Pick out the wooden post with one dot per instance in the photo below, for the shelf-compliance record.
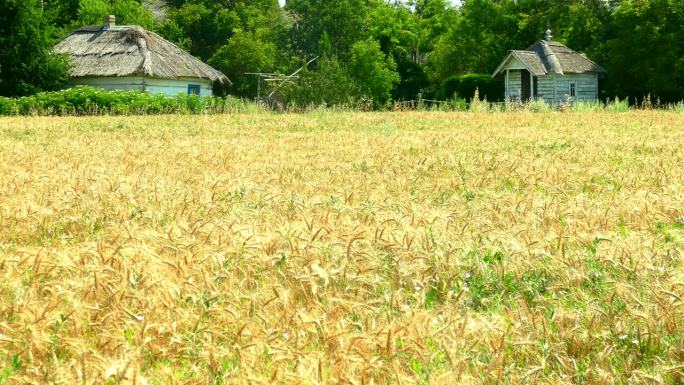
(508, 95)
(531, 86)
(596, 85)
(258, 88)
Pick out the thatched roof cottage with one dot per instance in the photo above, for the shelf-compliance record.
(131, 58)
(549, 71)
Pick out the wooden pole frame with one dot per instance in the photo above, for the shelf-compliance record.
(278, 79)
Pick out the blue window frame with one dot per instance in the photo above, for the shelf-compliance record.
(194, 89)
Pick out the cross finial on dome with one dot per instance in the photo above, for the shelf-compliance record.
(548, 37)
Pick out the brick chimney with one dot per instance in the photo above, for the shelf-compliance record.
(109, 22)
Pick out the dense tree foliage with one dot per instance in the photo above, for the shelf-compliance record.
(382, 50)
(328, 27)
(27, 64)
(90, 12)
(373, 71)
(647, 53)
(245, 52)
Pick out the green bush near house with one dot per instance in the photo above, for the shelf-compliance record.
(465, 86)
(7, 106)
(94, 101)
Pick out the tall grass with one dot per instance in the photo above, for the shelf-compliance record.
(335, 247)
(582, 106)
(618, 106)
(83, 101)
(677, 107)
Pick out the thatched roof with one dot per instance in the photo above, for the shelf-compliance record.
(548, 56)
(530, 60)
(131, 51)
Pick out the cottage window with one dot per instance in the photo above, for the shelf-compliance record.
(194, 89)
(535, 86)
(573, 89)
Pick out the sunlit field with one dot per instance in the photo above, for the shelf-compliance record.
(343, 248)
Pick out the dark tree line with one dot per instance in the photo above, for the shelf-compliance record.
(377, 50)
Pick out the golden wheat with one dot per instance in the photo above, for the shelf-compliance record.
(335, 248)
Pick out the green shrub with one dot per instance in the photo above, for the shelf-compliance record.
(618, 105)
(465, 86)
(95, 101)
(480, 106)
(457, 104)
(586, 106)
(538, 106)
(677, 107)
(7, 106)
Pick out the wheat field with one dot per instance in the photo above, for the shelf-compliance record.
(343, 248)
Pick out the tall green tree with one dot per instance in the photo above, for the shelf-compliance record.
(435, 18)
(204, 26)
(398, 31)
(27, 64)
(62, 14)
(475, 42)
(646, 56)
(127, 12)
(374, 72)
(325, 27)
(245, 52)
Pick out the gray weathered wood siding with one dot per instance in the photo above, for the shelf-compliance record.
(514, 81)
(546, 88)
(554, 88)
(586, 86)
